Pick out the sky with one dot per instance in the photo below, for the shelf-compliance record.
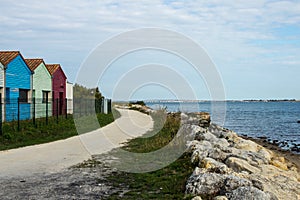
(254, 45)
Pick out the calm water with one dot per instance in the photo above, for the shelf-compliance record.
(275, 120)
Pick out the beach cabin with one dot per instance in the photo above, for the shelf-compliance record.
(42, 88)
(18, 85)
(59, 80)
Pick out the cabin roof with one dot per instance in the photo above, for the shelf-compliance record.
(52, 68)
(33, 63)
(7, 56)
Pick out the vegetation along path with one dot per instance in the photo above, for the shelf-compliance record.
(58, 155)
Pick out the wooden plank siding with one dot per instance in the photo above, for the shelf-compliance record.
(41, 83)
(17, 77)
(1, 76)
(2, 89)
(59, 80)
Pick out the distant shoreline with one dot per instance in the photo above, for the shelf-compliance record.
(201, 101)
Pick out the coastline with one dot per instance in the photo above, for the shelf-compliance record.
(224, 165)
(275, 120)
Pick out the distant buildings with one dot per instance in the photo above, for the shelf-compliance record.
(30, 85)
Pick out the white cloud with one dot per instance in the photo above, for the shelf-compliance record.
(65, 31)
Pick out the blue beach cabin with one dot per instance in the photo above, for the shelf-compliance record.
(18, 85)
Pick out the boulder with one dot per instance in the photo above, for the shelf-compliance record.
(253, 158)
(184, 117)
(204, 118)
(246, 145)
(200, 145)
(233, 182)
(221, 144)
(217, 154)
(191, 130)
(192, 146)
(230, 136)
(198, 171)
(218, 131)
(198, 155)
(267, 154)
(205, 136)
(249, 193)
(214, 166)
(240, 165)
(205, 184)
(220, 198)
(196, 198)
(279, 162)
(257, 183)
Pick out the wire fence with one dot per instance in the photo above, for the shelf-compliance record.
(45, 111)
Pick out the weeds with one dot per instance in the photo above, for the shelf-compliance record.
(166, 183)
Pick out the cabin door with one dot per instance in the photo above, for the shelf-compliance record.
(61, 102)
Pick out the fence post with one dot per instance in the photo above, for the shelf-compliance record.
(109, 106)
(86, 105)
(57, 109)
(33, 110)
(102, 105)
(66, 108)
(47, 109)
(18, 114)
(0, 114)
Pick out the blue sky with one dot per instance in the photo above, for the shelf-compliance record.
(255, 45)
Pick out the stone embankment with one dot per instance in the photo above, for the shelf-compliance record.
(230, 167)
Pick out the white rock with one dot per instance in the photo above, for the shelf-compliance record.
(204, 184)
(249, 193)
(220, 198)
(213, 165)
(247, 145)
(240, 165)
(197, 198)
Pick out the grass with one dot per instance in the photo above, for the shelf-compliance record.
(31, 134)
(166, 183)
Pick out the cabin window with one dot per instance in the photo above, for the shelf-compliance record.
(45, 96)
(23, 95)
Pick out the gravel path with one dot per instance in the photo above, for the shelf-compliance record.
(84, 181)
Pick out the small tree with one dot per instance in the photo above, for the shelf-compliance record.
(98, 94)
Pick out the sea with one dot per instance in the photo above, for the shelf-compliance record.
(276, 121)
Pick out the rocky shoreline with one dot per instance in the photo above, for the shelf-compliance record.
(232, 167)
(283, 146)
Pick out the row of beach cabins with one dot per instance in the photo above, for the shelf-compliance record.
(31, 88)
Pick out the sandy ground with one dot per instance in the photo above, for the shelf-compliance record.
(56, 156)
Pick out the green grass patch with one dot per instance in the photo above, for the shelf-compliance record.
(31, 134)
(166, 183)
